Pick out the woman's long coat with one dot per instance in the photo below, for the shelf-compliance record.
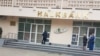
(91, 43)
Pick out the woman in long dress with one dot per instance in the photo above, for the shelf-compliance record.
(91, 42)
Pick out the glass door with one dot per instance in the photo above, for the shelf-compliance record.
(33, 33)
(26, 33)
(39, 33)
(83, 30)
(36, 33)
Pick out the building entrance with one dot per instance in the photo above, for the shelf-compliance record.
(78, 32)
(30, 30)
(84, 27)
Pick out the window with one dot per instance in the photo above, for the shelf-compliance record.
(76, 23)
(30, 20)
(39, 21)
(21, 26)
(26, 36)
(20, 35)
(22, 19)
(76, 30)
(27, 27)
(80, 41)
(98, 32)
(47, 22)
(97, 42)
(96, 24)
(83, 30)
(74, 39)
(87, 23)
(47, 28)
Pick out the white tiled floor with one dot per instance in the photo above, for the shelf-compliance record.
(21, 52)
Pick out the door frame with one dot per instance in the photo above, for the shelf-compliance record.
(35, 40)
(31, 34)
(37, 32)
(77, 35)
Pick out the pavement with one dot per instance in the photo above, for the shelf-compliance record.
(4, 51)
